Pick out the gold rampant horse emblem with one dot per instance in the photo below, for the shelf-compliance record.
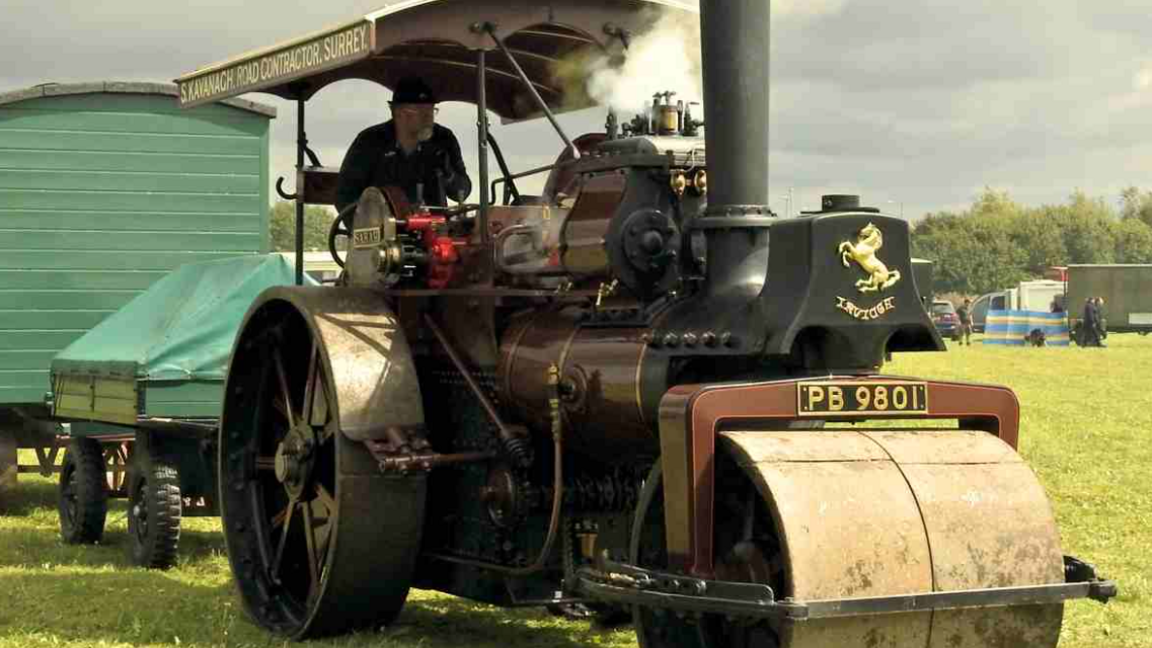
(863, 252)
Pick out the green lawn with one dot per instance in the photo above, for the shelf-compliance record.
(1086, 430)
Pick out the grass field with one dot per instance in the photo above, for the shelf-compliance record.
(1086, 430)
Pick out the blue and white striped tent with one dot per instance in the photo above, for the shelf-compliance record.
(1010, 327)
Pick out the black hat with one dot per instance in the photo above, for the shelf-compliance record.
(411, 90)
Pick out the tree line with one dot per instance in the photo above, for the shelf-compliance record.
(282, 227)
(997, 242)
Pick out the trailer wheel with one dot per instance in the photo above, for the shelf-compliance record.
(154, 511)
(83, 494)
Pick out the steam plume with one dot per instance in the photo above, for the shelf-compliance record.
(664, 57)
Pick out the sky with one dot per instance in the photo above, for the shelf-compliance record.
(916, 105)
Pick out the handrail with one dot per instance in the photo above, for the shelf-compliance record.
(490, 29)
(524, 174)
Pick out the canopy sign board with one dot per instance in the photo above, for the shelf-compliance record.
(550, 49)
(294, 60)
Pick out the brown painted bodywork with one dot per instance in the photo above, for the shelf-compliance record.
(607, 374)
(691, 417)
(585, 254)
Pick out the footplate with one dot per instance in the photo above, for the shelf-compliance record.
(625, 584)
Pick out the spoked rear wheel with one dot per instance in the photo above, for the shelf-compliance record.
(319, 542)
(746, 551)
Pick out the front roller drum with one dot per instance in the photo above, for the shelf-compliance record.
(843, 514)
(319, 542)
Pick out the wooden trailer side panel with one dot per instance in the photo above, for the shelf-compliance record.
(103, 190)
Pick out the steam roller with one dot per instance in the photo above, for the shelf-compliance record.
(640, 395)
(842, 525)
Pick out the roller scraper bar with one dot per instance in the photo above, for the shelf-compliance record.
(621, 583)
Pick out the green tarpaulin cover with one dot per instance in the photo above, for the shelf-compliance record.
(182, 328)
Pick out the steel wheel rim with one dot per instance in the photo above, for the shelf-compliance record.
(139, 510)
(291, 490)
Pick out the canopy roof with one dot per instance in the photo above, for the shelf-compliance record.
(181, 328)
(438, 40)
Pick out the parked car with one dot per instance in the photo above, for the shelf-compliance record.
(945, 318)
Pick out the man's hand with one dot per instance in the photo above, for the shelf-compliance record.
(455, 186)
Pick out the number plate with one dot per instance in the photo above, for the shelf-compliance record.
(368, 237)
(829, 399)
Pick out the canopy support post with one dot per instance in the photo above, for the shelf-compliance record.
(301, 146)
(491, 31)
(482, 139)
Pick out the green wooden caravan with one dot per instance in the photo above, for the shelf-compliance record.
(105, 188)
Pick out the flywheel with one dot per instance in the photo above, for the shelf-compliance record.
(842, 514)
(319, 541)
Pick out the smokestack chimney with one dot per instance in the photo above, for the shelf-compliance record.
(734, 35)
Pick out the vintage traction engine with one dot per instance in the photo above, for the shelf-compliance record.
(636, 393)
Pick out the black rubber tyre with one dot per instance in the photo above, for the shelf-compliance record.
(83, 494)
(154, 511)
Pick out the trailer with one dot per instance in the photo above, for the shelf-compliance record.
(146, 385)
(1126, 289)
(105, 187)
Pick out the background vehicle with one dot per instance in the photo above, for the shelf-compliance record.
(1026, 296)
(611, 393)
(106, 189)
(1127, 293)
(945, 319)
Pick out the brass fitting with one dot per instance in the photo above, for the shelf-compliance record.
(677, 182)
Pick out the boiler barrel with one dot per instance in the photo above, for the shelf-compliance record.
(610, 384)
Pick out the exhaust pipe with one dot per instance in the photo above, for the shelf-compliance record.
(734, 35)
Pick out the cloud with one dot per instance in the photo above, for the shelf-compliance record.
(806, 8)
(917, 102)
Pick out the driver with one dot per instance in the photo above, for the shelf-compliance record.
(410, 151)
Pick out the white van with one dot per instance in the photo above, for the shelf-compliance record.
(1036, 295)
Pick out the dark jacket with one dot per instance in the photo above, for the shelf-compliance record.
(1091, 315)
(375, 159)
(964, 315)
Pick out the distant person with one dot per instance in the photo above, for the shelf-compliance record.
(964, 314)
(1090, 325)
(1101, 328)
(1057, 307)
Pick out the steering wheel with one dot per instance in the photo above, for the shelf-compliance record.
(340, 227)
